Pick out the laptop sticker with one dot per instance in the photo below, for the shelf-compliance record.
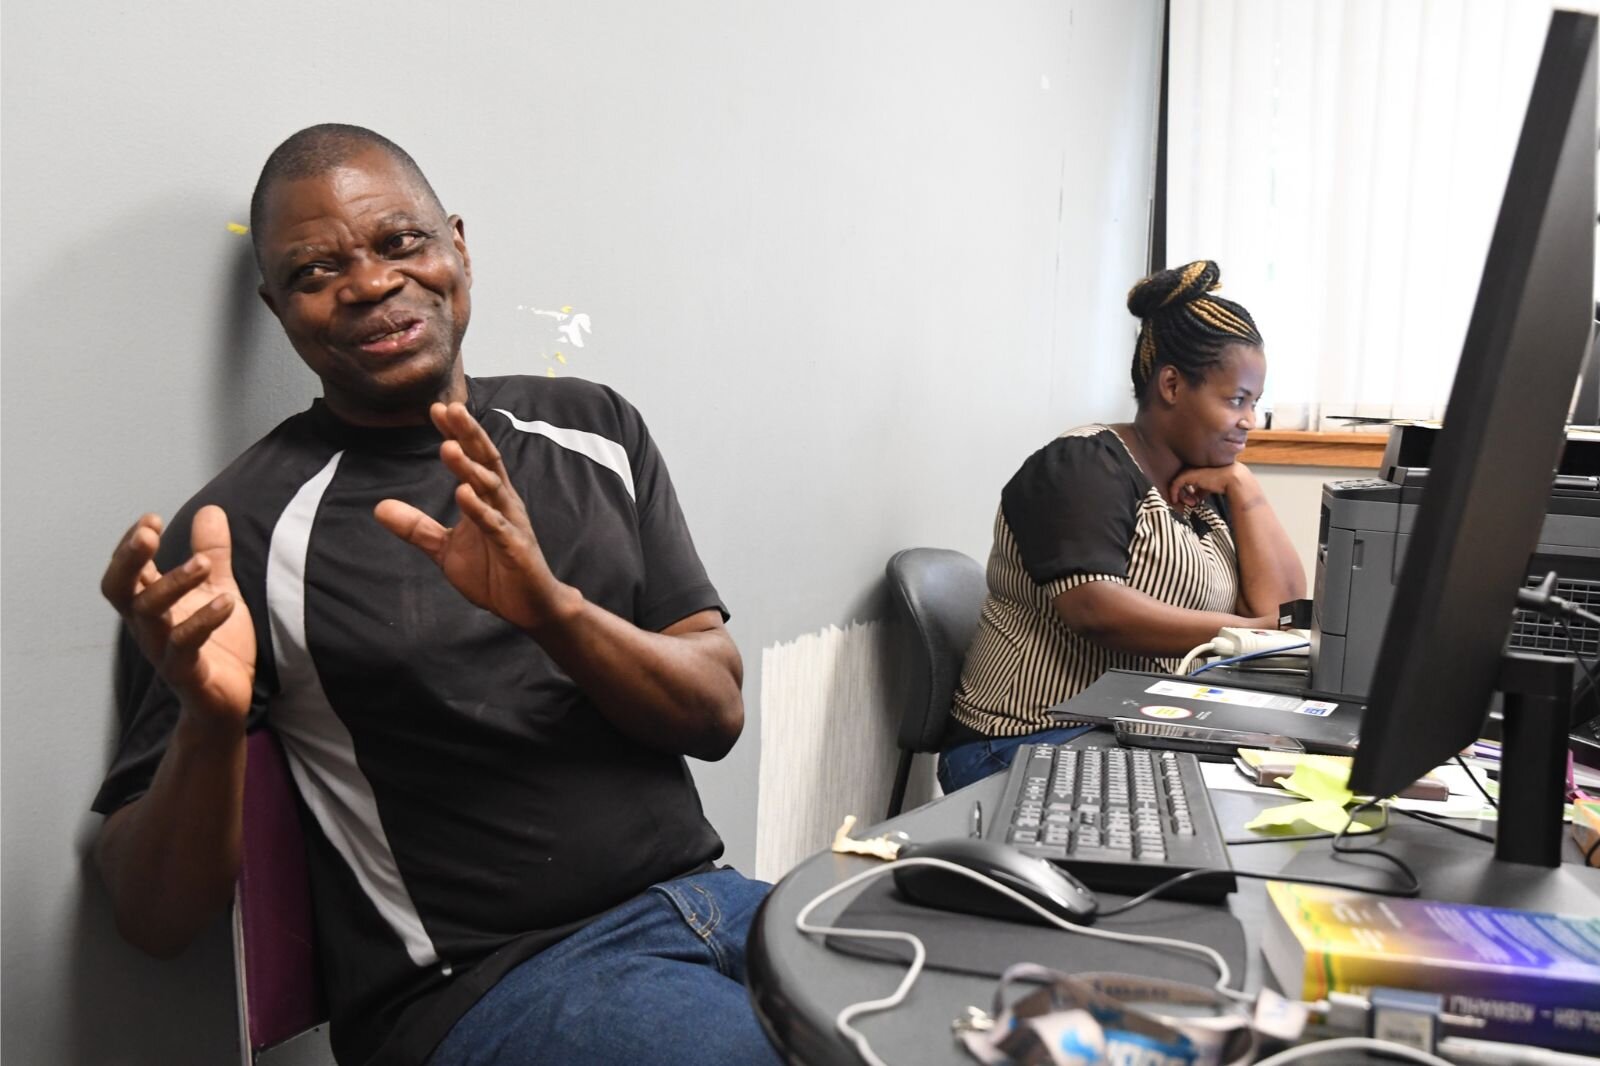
(1232, 696)
(1166, 712)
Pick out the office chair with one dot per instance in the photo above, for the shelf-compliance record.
(937, 595)
(274, 945)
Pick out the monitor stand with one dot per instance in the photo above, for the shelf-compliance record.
(1525, 871)
(1533, 759)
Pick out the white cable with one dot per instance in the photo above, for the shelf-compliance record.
(1351, 1043)
(1188, 660)
(843, 1019)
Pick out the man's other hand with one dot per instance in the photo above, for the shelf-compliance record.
(491, 556)
(191, 622)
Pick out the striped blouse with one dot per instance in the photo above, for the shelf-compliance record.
(1079, 510)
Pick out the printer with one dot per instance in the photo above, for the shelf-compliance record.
(1366, 524)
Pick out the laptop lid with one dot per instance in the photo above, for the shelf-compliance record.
(1320, 721)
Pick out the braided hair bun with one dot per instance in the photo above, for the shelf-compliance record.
(1182, 325)
(1173, 288)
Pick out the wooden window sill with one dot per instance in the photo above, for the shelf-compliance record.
(1296, 447)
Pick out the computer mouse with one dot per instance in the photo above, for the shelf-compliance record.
(1049, 886)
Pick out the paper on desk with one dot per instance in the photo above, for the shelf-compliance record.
(1465, 801)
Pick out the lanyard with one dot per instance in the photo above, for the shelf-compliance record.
(1085, 1019)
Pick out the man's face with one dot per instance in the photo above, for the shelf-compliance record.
(372, 285)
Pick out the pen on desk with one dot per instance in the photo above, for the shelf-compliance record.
(977, 820)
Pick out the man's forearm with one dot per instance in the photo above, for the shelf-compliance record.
(678, 690)
(171, 857)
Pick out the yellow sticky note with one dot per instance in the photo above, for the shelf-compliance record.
(567, 310)
(1324, 815)
(550, 373)
(235, 228)
(1320, 782)
(561, 358)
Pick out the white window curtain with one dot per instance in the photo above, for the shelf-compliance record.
(1343, 161)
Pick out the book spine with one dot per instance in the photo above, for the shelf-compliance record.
(1516, 1007)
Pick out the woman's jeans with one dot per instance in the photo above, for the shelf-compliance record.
(965, 763)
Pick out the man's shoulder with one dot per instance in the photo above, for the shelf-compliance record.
(571, 403)
(260, 482)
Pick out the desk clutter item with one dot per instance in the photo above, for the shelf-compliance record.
(1270, 768)
(1532, 978)
(1119, 820)
(1067, 1020)
(1586, 829)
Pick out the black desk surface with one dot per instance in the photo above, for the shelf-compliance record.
(799, 985)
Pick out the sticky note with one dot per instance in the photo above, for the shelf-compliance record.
(567, 310)
(550, 373)
(1323, 815)
(561, 358)
(235, 228)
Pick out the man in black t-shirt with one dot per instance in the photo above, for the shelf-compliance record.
(486, 711)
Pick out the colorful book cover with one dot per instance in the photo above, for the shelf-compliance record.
(1533, 978)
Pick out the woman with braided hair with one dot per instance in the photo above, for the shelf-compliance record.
(1124, 546)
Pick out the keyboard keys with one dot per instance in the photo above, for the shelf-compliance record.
(1126, 813)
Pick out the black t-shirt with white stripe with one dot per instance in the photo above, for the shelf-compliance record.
(1081, 509)
(468, 805)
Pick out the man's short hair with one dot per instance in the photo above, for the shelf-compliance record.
(318, 149)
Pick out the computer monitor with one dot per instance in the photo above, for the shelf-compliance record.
(1443, 650)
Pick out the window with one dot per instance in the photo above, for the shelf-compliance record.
(1344, 160)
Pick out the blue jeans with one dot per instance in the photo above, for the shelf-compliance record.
(963, 764)
(659, 979)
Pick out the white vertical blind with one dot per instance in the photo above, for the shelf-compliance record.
(1344, 160)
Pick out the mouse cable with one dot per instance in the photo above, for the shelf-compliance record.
(1351, 1043)
(844, 1019)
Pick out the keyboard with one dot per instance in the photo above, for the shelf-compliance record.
(1119, 819)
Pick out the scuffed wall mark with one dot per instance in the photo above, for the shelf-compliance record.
(567, 329)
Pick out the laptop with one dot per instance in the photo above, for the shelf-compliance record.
(1320, 721)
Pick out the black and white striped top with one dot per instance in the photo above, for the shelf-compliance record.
(1081, 509)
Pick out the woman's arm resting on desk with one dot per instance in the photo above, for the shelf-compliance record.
(1270, 573)
(1124, 619)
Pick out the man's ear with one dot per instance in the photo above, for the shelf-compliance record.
(266, 298)
(458, 237)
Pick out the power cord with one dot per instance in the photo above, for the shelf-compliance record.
(1250, 655)
(1408, 891)
(1476, 783)
(1188, 660)
(1442, 823)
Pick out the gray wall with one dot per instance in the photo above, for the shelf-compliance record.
(853, 261)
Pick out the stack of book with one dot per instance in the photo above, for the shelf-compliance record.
(1532, 978)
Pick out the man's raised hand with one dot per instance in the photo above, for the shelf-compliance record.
(491, 556)
(191, 622)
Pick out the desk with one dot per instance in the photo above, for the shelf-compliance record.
(798, 984)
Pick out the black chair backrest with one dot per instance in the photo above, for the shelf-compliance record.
(937, 596)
